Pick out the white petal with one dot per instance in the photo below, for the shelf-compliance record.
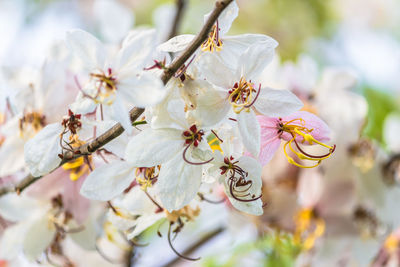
(176, 44)
(391, 132)
(211, 105)
(113, 19)
(254, 169)
(11, 155)
(108, 181)
(143, 90)
(38, 237)
(178, 183)
(83, 105)
(11, 240)
(137, 202)
(41, 152)
(277, 103)
(254, 60)
(136, 49)
(221, 74)
(15, 207)
(118, 112)
(153, 147)
(144, 222)
(88, 48)
(250, 131)
(226, 18)
(234, 46)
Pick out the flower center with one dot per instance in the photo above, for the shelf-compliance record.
(106, 85)
(79, 166)
(193, 136)
(146, 177)
(239, 186)
(72, 122)
(309, 227)
(296, 128)
(213, 43)
(241, 95)
(31, 121)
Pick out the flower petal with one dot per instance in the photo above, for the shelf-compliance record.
(153, 147)
(226, 18)
(108, 181)
(254, 169)
(277, 103)
(136, 50)
(249, 130)
(38, 237)
(255, 58)
(142, 90)
(176, 44)
(113, 19)
(88, 48)
(41, 152)
(178, 183)
(11, 158)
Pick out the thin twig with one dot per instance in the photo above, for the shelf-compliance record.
(180, 8)
(135, 113)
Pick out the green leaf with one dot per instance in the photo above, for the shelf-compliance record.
(380, 104)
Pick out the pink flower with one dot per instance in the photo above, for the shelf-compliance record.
(299, 128)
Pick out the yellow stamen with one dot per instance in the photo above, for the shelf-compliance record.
(77, 167)
(241, 96)
(214, 144)
(306, 133)
(111, 233)
(391, 243)
(213, 43)
(145, 176)
(305, 219)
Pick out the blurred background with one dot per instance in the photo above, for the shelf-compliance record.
(341, 57)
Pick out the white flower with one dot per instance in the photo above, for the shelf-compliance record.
(118, 81)
(242, 93)
(226, 48)
(174, 149)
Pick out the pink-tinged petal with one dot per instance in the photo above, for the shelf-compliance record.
(320, 131)
(270, 139)
(74, 202)
(310, 188)
(268, 150)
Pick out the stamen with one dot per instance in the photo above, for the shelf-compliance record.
(301, 130)
(213, 43)
(193, 163)
(203, 198)
(174, 250)
(241, 95)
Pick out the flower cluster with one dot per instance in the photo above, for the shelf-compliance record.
(208, 129)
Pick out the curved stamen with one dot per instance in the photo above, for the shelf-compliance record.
(154, 202)
(190, 162)
(219, 139)
(231, 190)
(312, 156)
(292, 161)
(255, 98)
(203, 198)
(174, 250)
(104, 256)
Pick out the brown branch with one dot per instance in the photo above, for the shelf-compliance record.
(135, 113)
(197, 41)
(180, 8)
